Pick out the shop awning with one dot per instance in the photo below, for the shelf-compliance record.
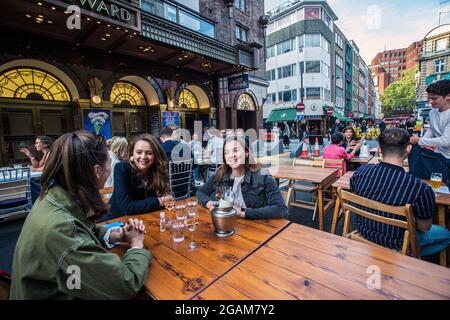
(280, 115)
(339, 116)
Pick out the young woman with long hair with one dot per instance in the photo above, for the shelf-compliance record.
(141, 184)
(256, 194)
(60, 237)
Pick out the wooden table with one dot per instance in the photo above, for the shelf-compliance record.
(322, 177)
(442, 201)
(178, 273)
(305, 263)
(360, 160)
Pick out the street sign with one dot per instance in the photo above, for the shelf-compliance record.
(330, 112)
(300, 106)
(238, 82)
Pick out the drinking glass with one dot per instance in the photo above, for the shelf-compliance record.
(192, 202)
(180, 207)
(436, 180)
(192, 224)
(177, 230)
(169, 204)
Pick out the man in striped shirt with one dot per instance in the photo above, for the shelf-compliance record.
(388, 183)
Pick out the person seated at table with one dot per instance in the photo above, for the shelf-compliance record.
(42, 144)
(140, 184)
(387, 182)
(118, 151)
(336, 151)
(350, 140)
(60, 243)
(256, 194)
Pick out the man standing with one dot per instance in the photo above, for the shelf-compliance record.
(382, 126)
(388, 183)
(410, 125)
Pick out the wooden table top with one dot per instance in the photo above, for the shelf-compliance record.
(303, 173)
(305, 263)
(178, 273)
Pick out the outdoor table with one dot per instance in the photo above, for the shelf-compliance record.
(360, 160)
(442, 201)
(305, 263)
(179, 273)
(322, 177)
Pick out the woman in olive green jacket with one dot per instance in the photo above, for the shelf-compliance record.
(61, 253)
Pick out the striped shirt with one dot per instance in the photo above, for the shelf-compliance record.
(391, 185)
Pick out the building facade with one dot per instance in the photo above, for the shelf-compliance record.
(299, 42)
(138, 65)
(433, 62)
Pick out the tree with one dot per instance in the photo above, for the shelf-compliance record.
(400, 95)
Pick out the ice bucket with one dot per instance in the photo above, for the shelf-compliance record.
(224, 220)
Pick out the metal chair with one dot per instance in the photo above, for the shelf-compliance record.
(15, 192)
(181, 178)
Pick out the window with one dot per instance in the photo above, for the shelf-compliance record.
(312, 67)
(325, 44)
(245, 102)
(326, 18)
(326, 70)
(439, 66)
(285, 46)
(127, 94)
(193, 4)
(286, 71)
(326, 94)
(272, 97)
(312, 40)
(241, 34)
(241, 4)
(33, 84)
(192, 22)
(270, 75)
(313, 93)
(187, 100)
(339, 61)
(270, 52)
(312, 13)
(287, 96)
(441, 44)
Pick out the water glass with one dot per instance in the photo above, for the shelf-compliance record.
(169, 204)
(177, 230)
(192, 222)
(192, 202)
(180, 212)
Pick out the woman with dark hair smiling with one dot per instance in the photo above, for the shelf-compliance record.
(60, 238)
(256, 195)
(141, 185)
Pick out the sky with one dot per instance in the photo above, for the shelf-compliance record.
(384, 24)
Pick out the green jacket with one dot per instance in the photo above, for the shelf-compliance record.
(57, 235)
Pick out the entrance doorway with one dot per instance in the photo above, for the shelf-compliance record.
(21, 125)
(246, 120)
(128, 123)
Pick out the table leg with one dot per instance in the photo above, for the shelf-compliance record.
(441, 217)
(320, 195)
(337, 208)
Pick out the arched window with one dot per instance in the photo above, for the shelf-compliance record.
(32, 84)
(187, 100)
(127, 94)
(245, 102)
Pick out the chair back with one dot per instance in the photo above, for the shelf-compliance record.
(106, 194)
(309, 163)
(410, 236)
(181, 179)
(336, 164)
(15, 192)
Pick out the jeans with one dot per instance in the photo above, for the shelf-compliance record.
(35, 185)
(196, 171)
(434, 240)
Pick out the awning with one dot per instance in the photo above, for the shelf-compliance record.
(280, 115)
(339, 116)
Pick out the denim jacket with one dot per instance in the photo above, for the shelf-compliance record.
(262, 197)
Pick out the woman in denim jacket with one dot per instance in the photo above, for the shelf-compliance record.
(256, 193)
